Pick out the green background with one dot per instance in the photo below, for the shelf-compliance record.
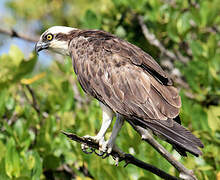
(31, 144)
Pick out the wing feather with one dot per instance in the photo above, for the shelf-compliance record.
(115, 76)
(140, 58)
(131, 83)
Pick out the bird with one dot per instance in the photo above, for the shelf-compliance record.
(127, 82)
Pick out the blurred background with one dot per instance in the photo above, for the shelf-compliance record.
(39, 96)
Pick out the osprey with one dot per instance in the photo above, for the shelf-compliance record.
(127, 82)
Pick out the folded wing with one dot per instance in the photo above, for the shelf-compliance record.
(131, 83)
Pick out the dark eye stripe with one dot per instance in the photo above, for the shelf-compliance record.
(61, 37)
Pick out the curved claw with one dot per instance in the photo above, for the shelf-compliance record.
(100, 153)
(105, 156)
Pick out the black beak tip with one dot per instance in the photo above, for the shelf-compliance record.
(36, 49)
(41, 46)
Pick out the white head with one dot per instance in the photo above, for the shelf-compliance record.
(55, 38)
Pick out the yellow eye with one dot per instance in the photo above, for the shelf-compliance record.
(49, 37)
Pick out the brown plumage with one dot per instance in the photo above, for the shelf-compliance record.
(131, 83)
(127, 81)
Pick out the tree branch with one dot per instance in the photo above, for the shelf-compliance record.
(34, 101)
(168, 62)
(154, 41)
(146, 136)
(77, 96)
(13, 33)
(121, 156)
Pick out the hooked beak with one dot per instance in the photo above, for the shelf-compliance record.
(39, 46)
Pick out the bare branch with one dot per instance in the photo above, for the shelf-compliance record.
(13, 33)
(85, 171)
(34, 101)
(154, 41)
(67, 169)
(118, 154)
(77, 96)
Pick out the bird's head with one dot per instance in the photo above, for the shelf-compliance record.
(56, 39)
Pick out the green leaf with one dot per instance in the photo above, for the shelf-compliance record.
(183, 23)
(172, 32)
(19, 128)
(23, 178)
(16, 55)
(91, 21)
(214, 117)
(10, 103)
(3, 96)
(12, 161)
(37, 170)
(51, 162)
(196, 48)
(25, 67)
(2, 150)
(3, 174)
(212, 45)
(205, 168)
(199, 118)
(209, 11)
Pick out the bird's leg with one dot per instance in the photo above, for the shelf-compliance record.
(108, 145)
(107, 116)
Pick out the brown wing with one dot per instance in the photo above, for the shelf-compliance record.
(120, 75)
(139, 58)
(131, 83)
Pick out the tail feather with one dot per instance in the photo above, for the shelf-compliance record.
(181, 138)
(179, 149)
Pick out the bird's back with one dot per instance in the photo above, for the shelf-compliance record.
(123, 77)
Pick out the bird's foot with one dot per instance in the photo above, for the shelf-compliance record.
(88, 150)
(105, 147)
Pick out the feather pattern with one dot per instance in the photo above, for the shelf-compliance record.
(131, 83)
(181, 138)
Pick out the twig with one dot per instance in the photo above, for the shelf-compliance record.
(67, 169)
(13, 33)
(34, 101)
(146, 136)
(128, 158)
(77, 96)
(154, 41)
(193, 4)
(85, 171)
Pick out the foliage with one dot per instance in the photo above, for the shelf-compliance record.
(31, 144)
